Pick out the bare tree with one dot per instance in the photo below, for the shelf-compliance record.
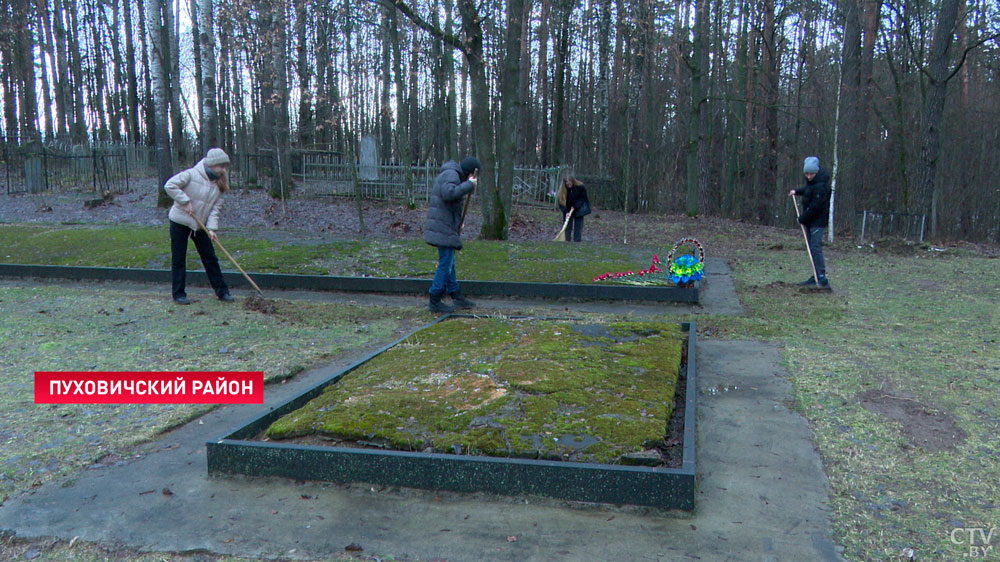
(159, 76)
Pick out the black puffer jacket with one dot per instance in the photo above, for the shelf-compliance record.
(576, 198)
(445, 212)
(816, 201)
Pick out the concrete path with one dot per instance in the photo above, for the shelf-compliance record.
(762, 495)
(717, 296)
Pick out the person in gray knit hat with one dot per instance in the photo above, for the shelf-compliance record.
(197, 192)
(815, 216)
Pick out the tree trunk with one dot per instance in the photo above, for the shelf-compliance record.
(132, 104)
(510, 99)
(603, 71)
(402, 109)
(412, 104)
(304, 73)
(171, 49)
(199, 80)
(79, 128)
(148, 104)
(97, 96)
(545, 149)
(158, 72)
(698, 66)
(561, 48)
(938, 74)
(772, 65)
(26, 74)
(526, 132)
(385, 114)
(450, 106)
(848, 128)
(46, 52)
(60, 70)
(209, 105)
(282, 185)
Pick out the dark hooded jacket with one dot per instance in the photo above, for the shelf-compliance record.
(815, 201)
(445, 212)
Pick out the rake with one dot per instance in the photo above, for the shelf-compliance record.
(230, 256)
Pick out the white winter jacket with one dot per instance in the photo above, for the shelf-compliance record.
(192, 185)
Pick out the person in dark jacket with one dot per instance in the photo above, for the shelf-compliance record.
(815, 215)
(443, 229)
(573, 199)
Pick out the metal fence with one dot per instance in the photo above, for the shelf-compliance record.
(102, 169)
(872, 225)
(328, 174)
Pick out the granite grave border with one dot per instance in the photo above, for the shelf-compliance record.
(235, 453)
(383, 285)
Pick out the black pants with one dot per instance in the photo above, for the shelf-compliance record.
(816, 247)
(179, 235)
(574, 231)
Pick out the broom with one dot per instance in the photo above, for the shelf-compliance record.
(230, 256)
(561, 237)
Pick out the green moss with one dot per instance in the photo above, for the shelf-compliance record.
(478, 386)
(138, 246)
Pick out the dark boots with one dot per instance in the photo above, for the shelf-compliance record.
(460, 301)
(438, 307)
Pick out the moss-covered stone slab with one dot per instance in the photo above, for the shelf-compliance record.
(384, 285)
(506, 406)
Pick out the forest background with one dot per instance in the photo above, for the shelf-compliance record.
(696, 106)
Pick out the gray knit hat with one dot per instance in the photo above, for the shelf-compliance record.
(811, 165)
(216, 156)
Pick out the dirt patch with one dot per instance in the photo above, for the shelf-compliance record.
(925, 426)
(261, 305)
(930, 285)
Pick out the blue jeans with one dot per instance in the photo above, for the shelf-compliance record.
(816, 247)
(445, 278)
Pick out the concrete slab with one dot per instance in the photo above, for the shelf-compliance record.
(718, 296)
(762, 495)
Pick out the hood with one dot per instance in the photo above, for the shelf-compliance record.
(452, 165)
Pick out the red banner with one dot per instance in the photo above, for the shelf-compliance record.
(149, 387)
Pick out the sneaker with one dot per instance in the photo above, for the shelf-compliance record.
(226, 298)
(823, 283)
(808, 282)
(182, 300)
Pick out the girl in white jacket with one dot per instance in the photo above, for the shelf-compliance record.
(198, 192)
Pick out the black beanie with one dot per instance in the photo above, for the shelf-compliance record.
(469, 165)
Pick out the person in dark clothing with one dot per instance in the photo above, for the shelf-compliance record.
(573, 199)
(815, 215)
(442, 229)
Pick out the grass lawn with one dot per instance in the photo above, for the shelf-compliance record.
(897, 371)
(57, 328)
(149, 247)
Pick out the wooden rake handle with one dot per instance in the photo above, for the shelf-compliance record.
(805, 235)
(230, 256)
